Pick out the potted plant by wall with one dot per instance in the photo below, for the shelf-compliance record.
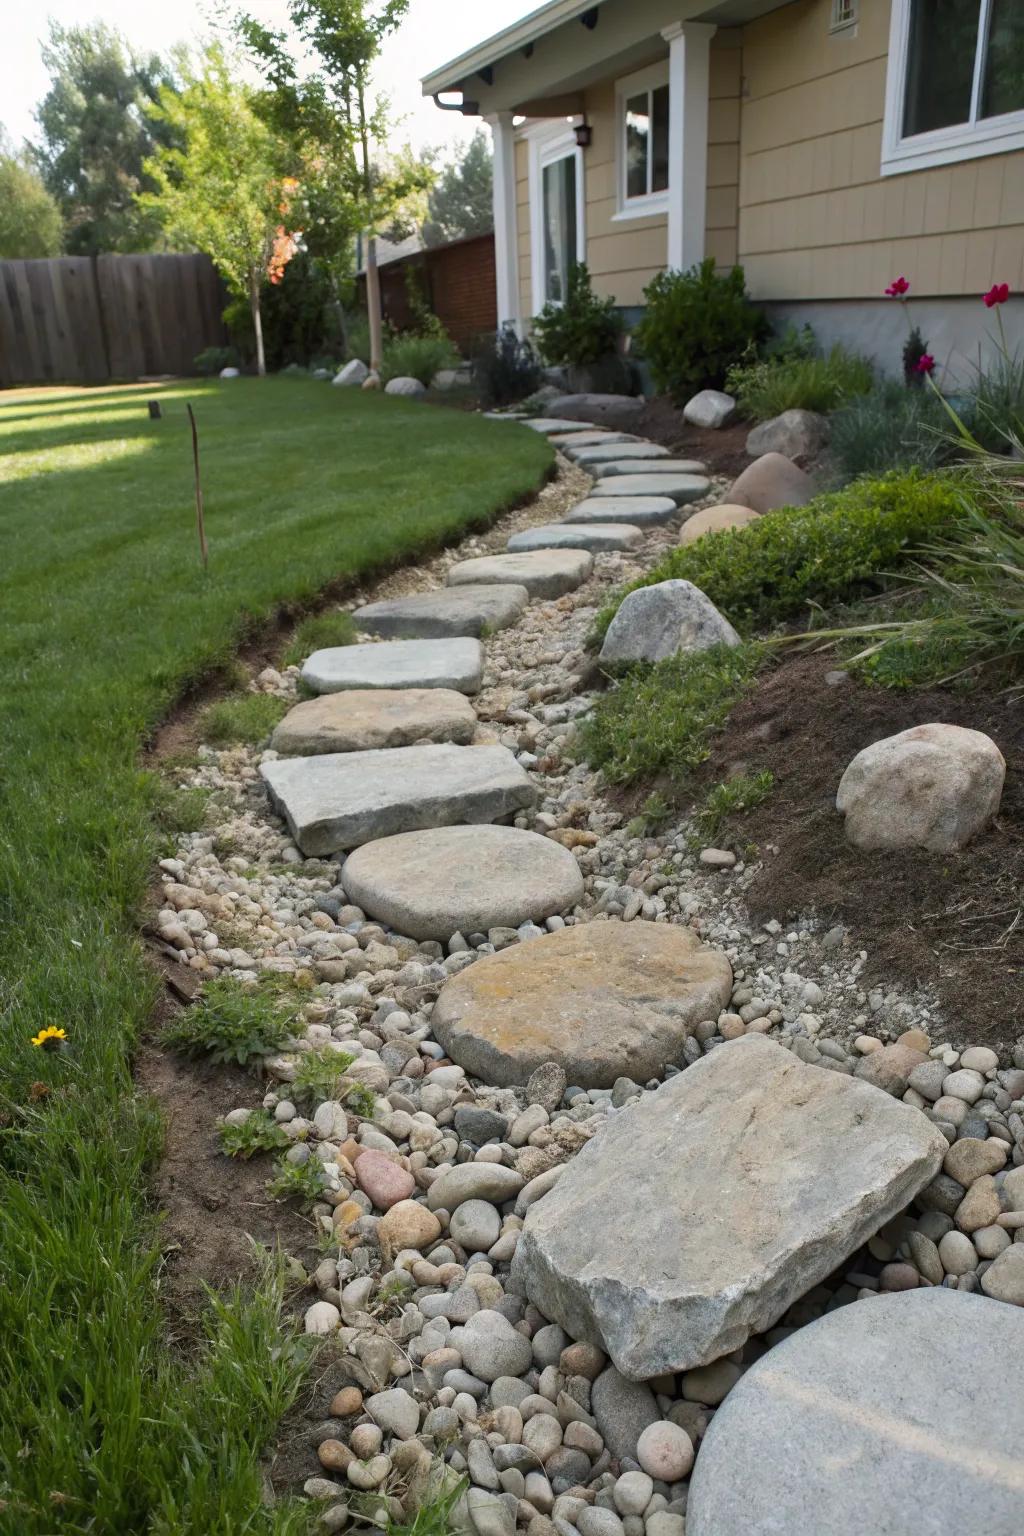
(583, 336)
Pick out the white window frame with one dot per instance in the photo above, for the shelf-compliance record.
(649, 79)
(942, 146)
(845, 14)
(550, 142)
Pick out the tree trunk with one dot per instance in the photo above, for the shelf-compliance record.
(372, 278)
(257, 324)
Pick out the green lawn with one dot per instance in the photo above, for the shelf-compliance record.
(106, 616)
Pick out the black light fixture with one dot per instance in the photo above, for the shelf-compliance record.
(584, 134)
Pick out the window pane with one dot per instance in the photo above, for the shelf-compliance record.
(940, 63)
(560, 254)
(1003, 90)
(659, 173)
(638, 129)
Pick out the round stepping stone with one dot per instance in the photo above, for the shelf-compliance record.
(604, 1000)
(550, 426)
(716, 520)
(440, 615)
(641, 511)
(605, 453)
(624, 466)
(682, 488)
(455, 664)
(878, 1417)
(430, 885)
(338, 801)
(543, 572)
(598, 537)
(367, 719)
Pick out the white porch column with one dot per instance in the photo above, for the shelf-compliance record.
(688, 74)
(506, 230)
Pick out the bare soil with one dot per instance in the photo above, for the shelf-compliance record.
(723, 451)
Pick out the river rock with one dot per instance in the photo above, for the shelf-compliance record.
(653, 623)
(934, 786)
(492, 1182)
(543, 572)
(772, 481)
(748, 1178)
(368, 719)
(454, 664)
(473, 611)
(602, 1000)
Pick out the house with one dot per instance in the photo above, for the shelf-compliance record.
(826, 145)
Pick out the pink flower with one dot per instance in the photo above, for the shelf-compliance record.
(997, 294)
(897, 289)
(925, 363)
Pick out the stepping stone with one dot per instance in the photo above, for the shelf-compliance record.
(397, 664)
(341, 800)
(543, 572)
(666, 466)
(595, 403)
(569, 442)
(682, 488)
(604, 1000)
(364, 720)
(430, 885)
(700, 1214)
(604, 453)
(437, 615)
(641, 511)
(550, 425)
(597, 538)
(879, 1417)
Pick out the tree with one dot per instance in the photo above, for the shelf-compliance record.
(223, 191)
(30, 223)
(97, 135)
(460, 201)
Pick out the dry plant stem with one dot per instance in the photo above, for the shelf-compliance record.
(200, 524)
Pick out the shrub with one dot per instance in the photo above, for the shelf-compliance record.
(697, 325)
(583, 330)
(305, 1182)
(417, 357)
(211, 360)
(835, 546)
(505, 368)
(317, 632)
(232, 1023)
(767, 388)
(892, 427)
(246, 717)
(357, 337)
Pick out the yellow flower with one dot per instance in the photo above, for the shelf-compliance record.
(50, 1038)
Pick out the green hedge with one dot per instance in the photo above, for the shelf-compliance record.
(829, 550)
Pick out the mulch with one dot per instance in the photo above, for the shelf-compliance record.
(723, 450)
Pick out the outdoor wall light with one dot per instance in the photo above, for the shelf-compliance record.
(584, 134)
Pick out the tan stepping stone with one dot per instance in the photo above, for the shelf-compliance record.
(605, 453)
(640, 511)
(339, 800)
(597, 537)
(604, 1000)
(716, 520)
(440, 615)
(543, 572)
(432, 884)
(367, 719)
(397, 664)
(681, 488)
(655, 466)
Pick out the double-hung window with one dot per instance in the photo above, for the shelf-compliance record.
(642, 125)
(955, 88)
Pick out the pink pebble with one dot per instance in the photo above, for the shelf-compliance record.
(384, 1180)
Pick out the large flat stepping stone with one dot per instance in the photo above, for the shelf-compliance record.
(597, 537)
(367, 719)
(430, 885)
(666, 466)
(439, 615)
(701, 1213)
(607, 453)
(681, 488)
(549, 426)
(641, 511)
(340, 800)
(569, 442)
(455, 664)
(543, 572)
(605, 1000)
(879, 1417)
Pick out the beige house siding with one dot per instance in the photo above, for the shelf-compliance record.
(724, 88)
(622, 255)
(817, 220)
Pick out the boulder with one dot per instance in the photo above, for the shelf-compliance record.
(797, 434)
(879, 1417)
(352, 375)
(709, 408)
(595, 407)
(230, 373)
(934, 786)
(655, 622)
(410, 387)
(597, 537)
(439, 615)
(338, 801)
(772, 481)
(603, 1000)
(448, 880)
(702, 1212)
(366, 719)
(716, 520)
(543, 572)
(454, 664)
(681, 487)
(640, 511)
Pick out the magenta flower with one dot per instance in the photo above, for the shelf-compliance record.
(997, 294)
(897, 289)
(925, 363)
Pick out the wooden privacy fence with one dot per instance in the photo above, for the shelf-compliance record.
(89, 319)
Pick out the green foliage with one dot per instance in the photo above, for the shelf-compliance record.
(434, 1515)
(232, 1022)
(998, 402)
(298, 1181)
(653, 814)
(298, 313)
(768, 387)
(319, 1073)
(658, 720)
(505, 368)
(211, 360)
(835, 546)
(175, 809)
(417, 357)
(460, 202)
(737, 795)
(30, 220)
(249, 717)
(890, 428)
(583, 330)
(696, 326)
(317, 632)
(259, 1132)
(357, 337)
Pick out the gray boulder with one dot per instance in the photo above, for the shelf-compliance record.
(710, 408)
(934, 787)
(660, 621)
(772, 481)
(352, 375)
(594, 408)
(797, 434)
(230, 373)
(410, 387)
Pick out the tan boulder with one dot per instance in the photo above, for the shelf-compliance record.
(934, 786)
(366, 719)
(717, 520)
(772, 481)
